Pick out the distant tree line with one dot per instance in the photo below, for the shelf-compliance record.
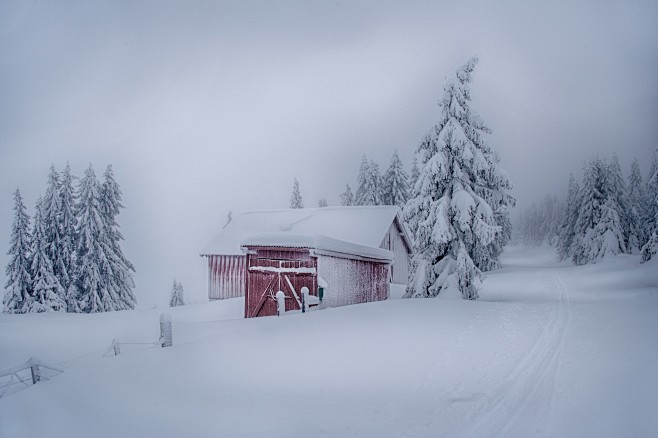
(606, 214)
(372, 188)
(71, 258)
(540, 223)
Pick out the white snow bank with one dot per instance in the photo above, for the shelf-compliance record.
(548, 350)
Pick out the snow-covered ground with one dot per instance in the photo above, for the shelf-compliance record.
(549, 350)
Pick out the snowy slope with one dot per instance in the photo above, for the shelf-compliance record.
(549, 350)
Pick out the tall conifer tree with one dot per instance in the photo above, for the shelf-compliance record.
(636, 207)
(120, 268)
(68, 238)
(362, 181)
(296, 196)
(617, 191)
(649, 220)
(599, 227)
(567, 229)
(51, 211)
(650, 248)
(347, 197)
(48, 293)
(453, 225)
(18, 288)
(396, 185)
(93, 269)
(373, 193)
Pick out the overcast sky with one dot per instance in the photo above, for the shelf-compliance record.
(202, 107)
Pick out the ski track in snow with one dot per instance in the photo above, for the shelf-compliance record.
(498, 414)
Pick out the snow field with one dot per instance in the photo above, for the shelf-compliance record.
(549, 350)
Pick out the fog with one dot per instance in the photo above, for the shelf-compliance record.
(202, 107)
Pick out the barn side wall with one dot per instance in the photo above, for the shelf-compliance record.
(226, 276)
(353, 281)
(394, 243)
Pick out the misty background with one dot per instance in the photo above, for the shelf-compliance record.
(206, 107)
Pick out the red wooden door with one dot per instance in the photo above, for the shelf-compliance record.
(267, 276)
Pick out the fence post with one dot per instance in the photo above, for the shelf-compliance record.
(304, 298)
(166, 337)
(36, 373)
(280, 303)
(117, 348)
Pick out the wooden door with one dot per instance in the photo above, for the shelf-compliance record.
(267, 276)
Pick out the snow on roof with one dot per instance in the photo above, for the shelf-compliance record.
(358, 225)
(317, 242)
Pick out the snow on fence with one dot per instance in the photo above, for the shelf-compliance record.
(166, 338)
(19, 374)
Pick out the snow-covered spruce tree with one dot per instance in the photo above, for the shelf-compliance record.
(598, 230)
(18, 287)
(650, 248)
(94, 276)
(68, 238)
(372, 193)
(490, 259)
(362, 181)
(636, 207)
(448, 214)
(569, 217)
(51, 210)
(396, 185)
(296, 196)
(616, 190)
(322, 202)
(649, 220)
(554, 212)
(177, 298)
(120, 268)
(347, 197)
(48, 293)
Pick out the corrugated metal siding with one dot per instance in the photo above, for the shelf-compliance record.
(262, 287)
(283, 253)
(226, 276)
(394, 243)
(353, 281)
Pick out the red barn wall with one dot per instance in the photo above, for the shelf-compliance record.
(353, 281)
(226, 276)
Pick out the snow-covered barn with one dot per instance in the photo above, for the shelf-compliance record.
(350, 254)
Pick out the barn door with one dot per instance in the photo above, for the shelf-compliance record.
(268, 276)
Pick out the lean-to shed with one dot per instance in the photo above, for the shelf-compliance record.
(311, 232)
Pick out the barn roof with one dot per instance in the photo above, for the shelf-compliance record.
(319, 244)
(359, 225)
